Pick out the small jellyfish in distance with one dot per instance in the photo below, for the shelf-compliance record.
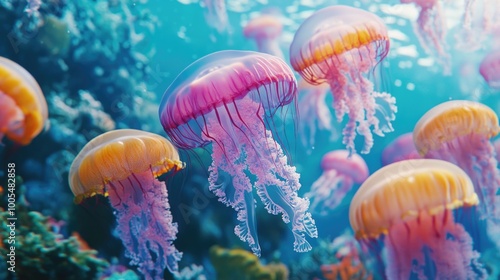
(216, 14)
(342, 46)
(490, 69)
(227, 99)
(416, 208)
(123, 164)
(23, 109)
(459, 132)
(400, 149)
(340, 173)
(314, 113)
(265, 30)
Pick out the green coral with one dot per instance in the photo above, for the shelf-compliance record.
(41, 253)
(240, 264)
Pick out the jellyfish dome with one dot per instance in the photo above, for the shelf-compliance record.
(265, 30)
(340, 173)
(410, 207)
(459, 131)
(123, 164)
(227, 98)
(401, 148)
(341, 46)
(23, 109)
(490, 69)
(314, 113)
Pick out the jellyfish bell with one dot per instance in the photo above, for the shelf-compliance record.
(459, 131)
(410, 207)
(123, 165)
(23, 109)
(490, 69)
(265, 30)
(342, 46)
(401, 148)
(231, 109)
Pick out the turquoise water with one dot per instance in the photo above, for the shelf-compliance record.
(108, 68)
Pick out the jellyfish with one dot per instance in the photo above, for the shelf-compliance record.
(341, 46)
(314, 113)
(228, 99)
(459, 131)
(415, 209)
(23, 109)
(400, 149)
(490, 69)
(496, 144)
(265, 30)
(123, 165)
(340, 173)
(216, 14)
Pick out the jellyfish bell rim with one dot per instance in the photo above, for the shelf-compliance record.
(406, 169)
(315, 21)
(442, 109)
(77, 187)
(273, 27)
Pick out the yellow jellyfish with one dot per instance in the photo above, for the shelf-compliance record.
(409, 206)
(123, 164)
(23, 109)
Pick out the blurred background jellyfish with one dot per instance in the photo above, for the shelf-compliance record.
(400, 149)
(123, 164)
(340, 173)
(314, 113)
(227, 98)
(431, 29)
(410, 207)
(216, 14)
(342, 45)
(459, 131)
(23, 109)
(490, 69)
(265, 30)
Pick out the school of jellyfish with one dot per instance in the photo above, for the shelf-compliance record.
(149, 174)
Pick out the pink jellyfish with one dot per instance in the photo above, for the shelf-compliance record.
(216, 14)
(459, 131)
(401, 148)
(265, 30)
(227, 98)
(490, 69)
(340, 173)
(341, 46)
(314, 112)
(496, 144)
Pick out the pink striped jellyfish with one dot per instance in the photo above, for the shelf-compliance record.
(490, 69)
(340, 173)
(314, 113)
(265, 30)
(459, 131)
(227, 98)
(341, 46)
(401, 148)
(216, 14)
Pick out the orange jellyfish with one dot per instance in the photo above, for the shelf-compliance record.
(410, 206)
(459, 132)
(123, 164)
(343, 46)
(23, 109)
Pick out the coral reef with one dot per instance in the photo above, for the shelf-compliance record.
(241, 264)
(41, 253)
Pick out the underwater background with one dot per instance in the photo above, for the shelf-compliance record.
(105, 65)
